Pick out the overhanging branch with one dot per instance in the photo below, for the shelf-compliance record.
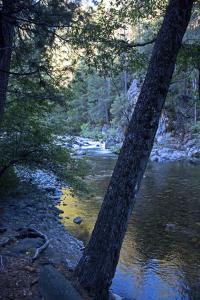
(19, 74)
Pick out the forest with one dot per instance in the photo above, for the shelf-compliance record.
(99, 149)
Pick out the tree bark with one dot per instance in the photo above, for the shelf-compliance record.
(6, 44)
(97, 266)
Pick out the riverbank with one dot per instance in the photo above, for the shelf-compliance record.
(166, 148)
(33, 205)
(26, 215)
(29, 219)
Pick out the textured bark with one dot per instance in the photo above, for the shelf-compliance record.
(6, 43)
(98, 263)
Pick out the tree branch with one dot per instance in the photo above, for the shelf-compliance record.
(19, 74)
(135, 45)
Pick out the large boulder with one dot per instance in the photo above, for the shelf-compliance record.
(54, 286)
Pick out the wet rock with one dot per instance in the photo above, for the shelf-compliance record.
(109, 143)
(113, 296)
(80, 152)
(58, 193)
(77, 220)
(58, 210)
(167, 154)
(194, 152)
(194, 161)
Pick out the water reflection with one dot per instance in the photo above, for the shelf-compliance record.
(160, 258)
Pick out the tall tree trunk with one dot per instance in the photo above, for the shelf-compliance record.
(98, 263)
(6, 44)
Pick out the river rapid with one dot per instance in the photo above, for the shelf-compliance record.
(160, 257)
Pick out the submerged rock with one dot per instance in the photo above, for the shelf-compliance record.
(77, 220)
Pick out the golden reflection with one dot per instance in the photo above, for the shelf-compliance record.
(73, 207)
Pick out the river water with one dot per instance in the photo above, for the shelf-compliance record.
(160, 257)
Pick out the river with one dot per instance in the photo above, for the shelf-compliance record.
(160, 257)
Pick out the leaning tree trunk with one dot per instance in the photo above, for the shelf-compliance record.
(98, 263)
(6, 44)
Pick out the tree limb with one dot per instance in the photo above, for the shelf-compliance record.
(19, 74)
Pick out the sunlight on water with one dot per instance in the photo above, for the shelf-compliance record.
(160, 257)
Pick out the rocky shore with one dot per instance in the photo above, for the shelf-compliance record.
(29, 208)
(167, 149)
(27, 215)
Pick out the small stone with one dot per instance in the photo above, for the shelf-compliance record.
(77, 220)
(170, 227)
(30, 269)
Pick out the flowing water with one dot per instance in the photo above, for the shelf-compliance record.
(160, 257)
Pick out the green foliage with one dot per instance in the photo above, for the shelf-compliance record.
(89, 132)
(8, 181)
(32, 121)
(103, 62)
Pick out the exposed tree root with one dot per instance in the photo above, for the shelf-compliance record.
(34, 233)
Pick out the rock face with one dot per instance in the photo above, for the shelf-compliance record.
(133, 91)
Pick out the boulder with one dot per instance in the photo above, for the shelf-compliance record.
(109, 143)
(54, 286)
(194, 152)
